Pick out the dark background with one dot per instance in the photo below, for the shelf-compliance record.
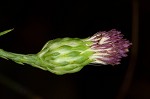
(36, 22)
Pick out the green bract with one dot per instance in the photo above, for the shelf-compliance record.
(65, 55)
(59, 56)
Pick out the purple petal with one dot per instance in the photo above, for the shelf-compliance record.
(109, 47)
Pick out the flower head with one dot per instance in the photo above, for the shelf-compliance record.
(70, 55)
(109, 47)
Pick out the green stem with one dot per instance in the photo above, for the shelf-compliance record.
(30, 59)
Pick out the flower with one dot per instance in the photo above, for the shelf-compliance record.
(70, 55)
(109, 47)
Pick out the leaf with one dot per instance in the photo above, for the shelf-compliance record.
(5, 32)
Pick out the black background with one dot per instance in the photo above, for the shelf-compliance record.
(36, 22)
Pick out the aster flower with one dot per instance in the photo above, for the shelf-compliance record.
(70, 55)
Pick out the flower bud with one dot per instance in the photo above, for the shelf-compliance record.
(70, 55)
